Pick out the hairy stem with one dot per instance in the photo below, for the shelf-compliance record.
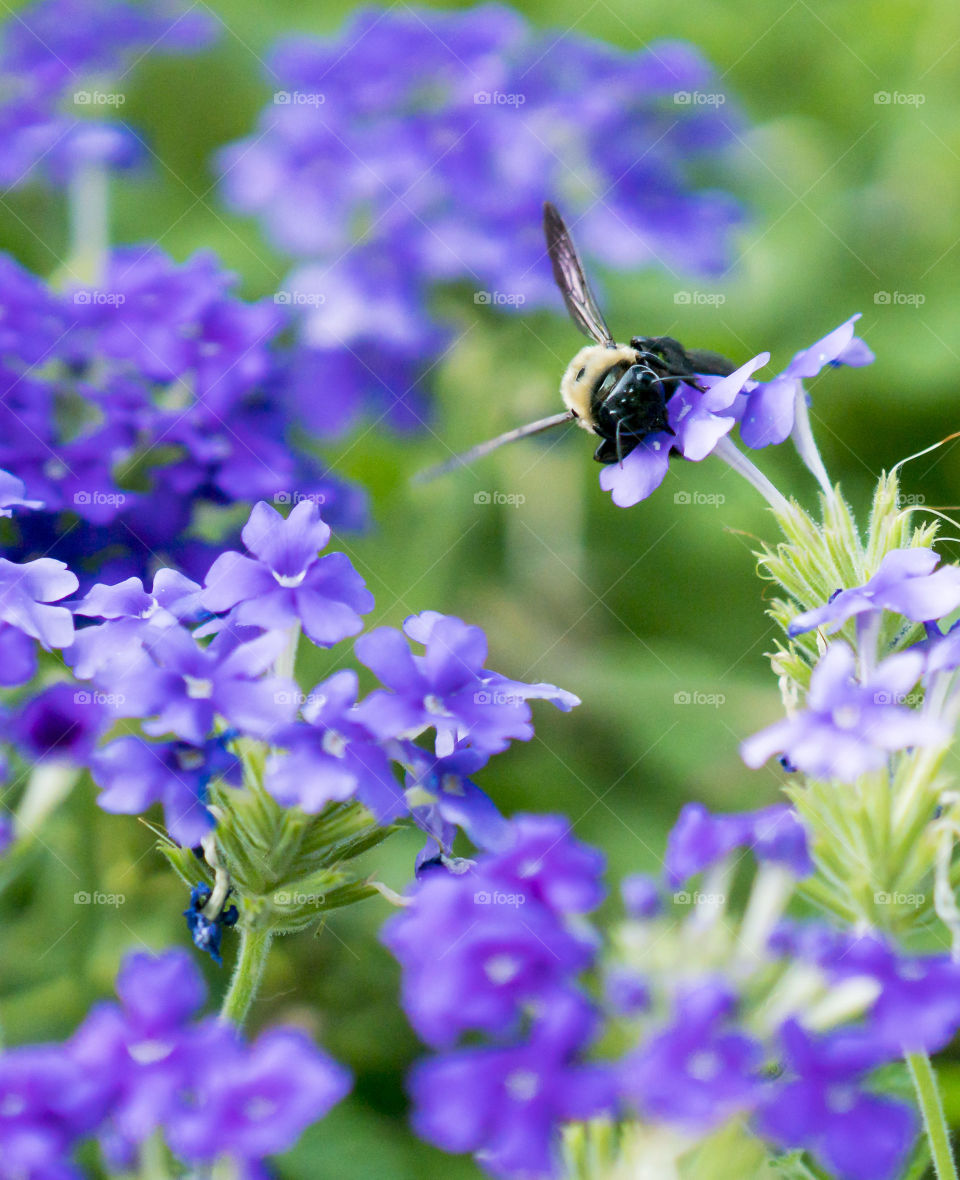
(247, 974)
(934, 1120)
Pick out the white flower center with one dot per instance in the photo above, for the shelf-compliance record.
(334, 743)
(522, 1084)
(290, 580)
(198, 689)
(501, 968)
(148, 1052)
(704, 1066)
(846, 716)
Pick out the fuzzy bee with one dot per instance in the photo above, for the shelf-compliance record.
(616, 391)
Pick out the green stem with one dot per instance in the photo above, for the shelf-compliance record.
(254, 948)
(934, 1120)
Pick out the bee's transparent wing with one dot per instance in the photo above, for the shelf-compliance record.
(485, 448)
(570, 278)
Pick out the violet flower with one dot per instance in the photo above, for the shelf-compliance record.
(769, 409)
(698, 420)
(447, 688)
(907, 582)
(699, 839)
(848, 727)
(285, 582)
(26, 616)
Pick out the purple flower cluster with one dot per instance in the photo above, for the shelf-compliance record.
(441, 134)
(497, 950)
(765, 413)
(149, 656)
(700, 839)
(129, 406)
(56, 56)
(148, 1064)
(855, 718)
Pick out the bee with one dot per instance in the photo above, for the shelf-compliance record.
(616, 391)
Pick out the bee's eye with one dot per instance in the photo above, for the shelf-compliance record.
(581, 373)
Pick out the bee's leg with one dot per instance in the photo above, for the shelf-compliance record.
(606, 452)
(672, 352)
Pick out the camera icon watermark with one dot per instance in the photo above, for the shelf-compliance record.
(698, 98)
(499, 298)
(912, 900)
(899, 298)
(99, 298)
(84, 897)
(110, 499)
(714, 700)
(710, 499)
(896, 98)
(701, 298)
(299, 98)
(293, 897)
(686, 897)
(98, 98)
(498, 98)
(496, 897)
(511, 499)
(300, 298)
(293, 497)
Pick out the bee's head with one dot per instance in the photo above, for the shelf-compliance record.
(587, 372)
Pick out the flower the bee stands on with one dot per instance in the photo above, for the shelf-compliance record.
(186, 640)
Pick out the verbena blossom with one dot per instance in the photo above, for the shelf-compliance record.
(496, 948)
(507, 1103)
(478, 945)
(149, 1063)
(189, 395)
(332, 756)
(701, 1068)
(26, 616)
(849, 727)
(60, 52)
(285, 582)
(448, 181)
(699, 839)
(134, 774)
(767, 410)
(823, 1105)
(698, 420)
(447, 688)
(907, 582)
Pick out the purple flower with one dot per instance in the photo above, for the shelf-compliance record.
(134, 774)
(48, 1102)
(473, 955)
(251, 1101)
(699, 839)
(625, 992)
(447, 688)
(285, 582)
(206, 929)
(508, 1104)
(541, 858)
(133, 616)
(823, 1107)
(699, 1070)
(849, 728)
(184, 686)
(698, 420)
(442, 799)
(52, 49)
(907, 583)
(768, 411)
(918, 1003)
(333, 757)
(61, 722)
(641, 896)
(25, 616)
(12, 491)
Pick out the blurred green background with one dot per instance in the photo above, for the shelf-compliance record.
(851, 198)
